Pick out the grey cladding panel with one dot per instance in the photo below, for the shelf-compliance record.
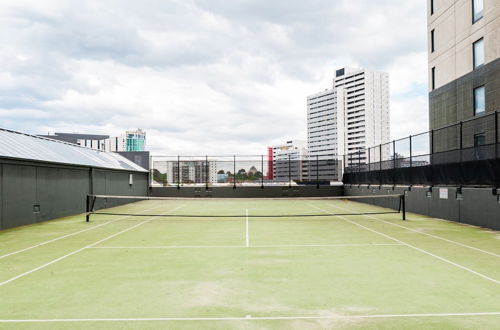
(19, 195)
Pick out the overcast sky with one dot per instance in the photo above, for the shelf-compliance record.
(206, 76)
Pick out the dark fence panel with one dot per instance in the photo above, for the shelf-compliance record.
(465, 153)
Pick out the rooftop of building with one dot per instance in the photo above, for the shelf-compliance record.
(22, 146)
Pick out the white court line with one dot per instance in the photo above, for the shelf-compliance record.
(247, 234)
(414, 247)
(239, 246)
(254, 318)
(67, 235)
(427, 234)
(81, 249)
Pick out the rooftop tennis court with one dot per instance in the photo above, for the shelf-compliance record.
(243, 271)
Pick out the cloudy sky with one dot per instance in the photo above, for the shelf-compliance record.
(201, 76)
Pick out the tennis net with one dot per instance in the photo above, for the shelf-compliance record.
(99, 205)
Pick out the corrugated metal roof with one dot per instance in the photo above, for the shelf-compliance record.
(25, 146)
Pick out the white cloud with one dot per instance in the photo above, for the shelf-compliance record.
(200, 76)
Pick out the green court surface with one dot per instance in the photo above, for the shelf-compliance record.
(352, 272)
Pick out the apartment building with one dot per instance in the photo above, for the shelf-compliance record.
(464, 69)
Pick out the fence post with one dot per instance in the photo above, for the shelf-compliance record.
(380, 163)
(317, 171)
(289, 172)
(206, 172)
(359, 161)
(496, 134)
(393, 154)
(394, 166)
(461, 140)
(411, 160)
(234, 171)
(178, 172)
(262, 173)
(369, 166)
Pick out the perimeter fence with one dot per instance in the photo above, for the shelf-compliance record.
(465, 153)
(244, 170)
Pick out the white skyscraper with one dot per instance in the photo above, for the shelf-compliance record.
(366, 109)
(349, 117)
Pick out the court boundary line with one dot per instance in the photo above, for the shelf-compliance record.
(239, 246)
(254, 318)
(432, 235)
(418, 249)
(67, 235)
(79, 250)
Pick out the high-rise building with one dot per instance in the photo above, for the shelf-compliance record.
(464, 68)
(289, 161)
(135, 140)
(366, 110)
(193, 171)
(349, 118)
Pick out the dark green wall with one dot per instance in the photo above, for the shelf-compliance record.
(33, 192)
(249, 192)
(477, 206)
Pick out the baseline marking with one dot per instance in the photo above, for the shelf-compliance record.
(416, 248)
(239, 246)
(254, 318)
(81, 249)
(247, 234)
(67, 235)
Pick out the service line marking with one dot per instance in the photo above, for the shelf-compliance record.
(414, 247)
(252, 318)
(81, 249)
(67, 235)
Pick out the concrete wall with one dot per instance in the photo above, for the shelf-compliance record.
(33, 192)
(455, 33)
(476, 206)
(248, 192)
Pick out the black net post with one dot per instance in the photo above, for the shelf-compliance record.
(262, 173)
(178, 172)
(90, 206)
(289, 171)
(234, 171)
(206, 172)
(403, 205)
(87, 209)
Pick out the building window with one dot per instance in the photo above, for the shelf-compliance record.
(478, 53)
(477, 10)
(432, 42)
(432, 7)
(479, 100)
(479, 139)
(433, 78)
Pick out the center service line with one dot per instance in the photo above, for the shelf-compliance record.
(247, 234)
